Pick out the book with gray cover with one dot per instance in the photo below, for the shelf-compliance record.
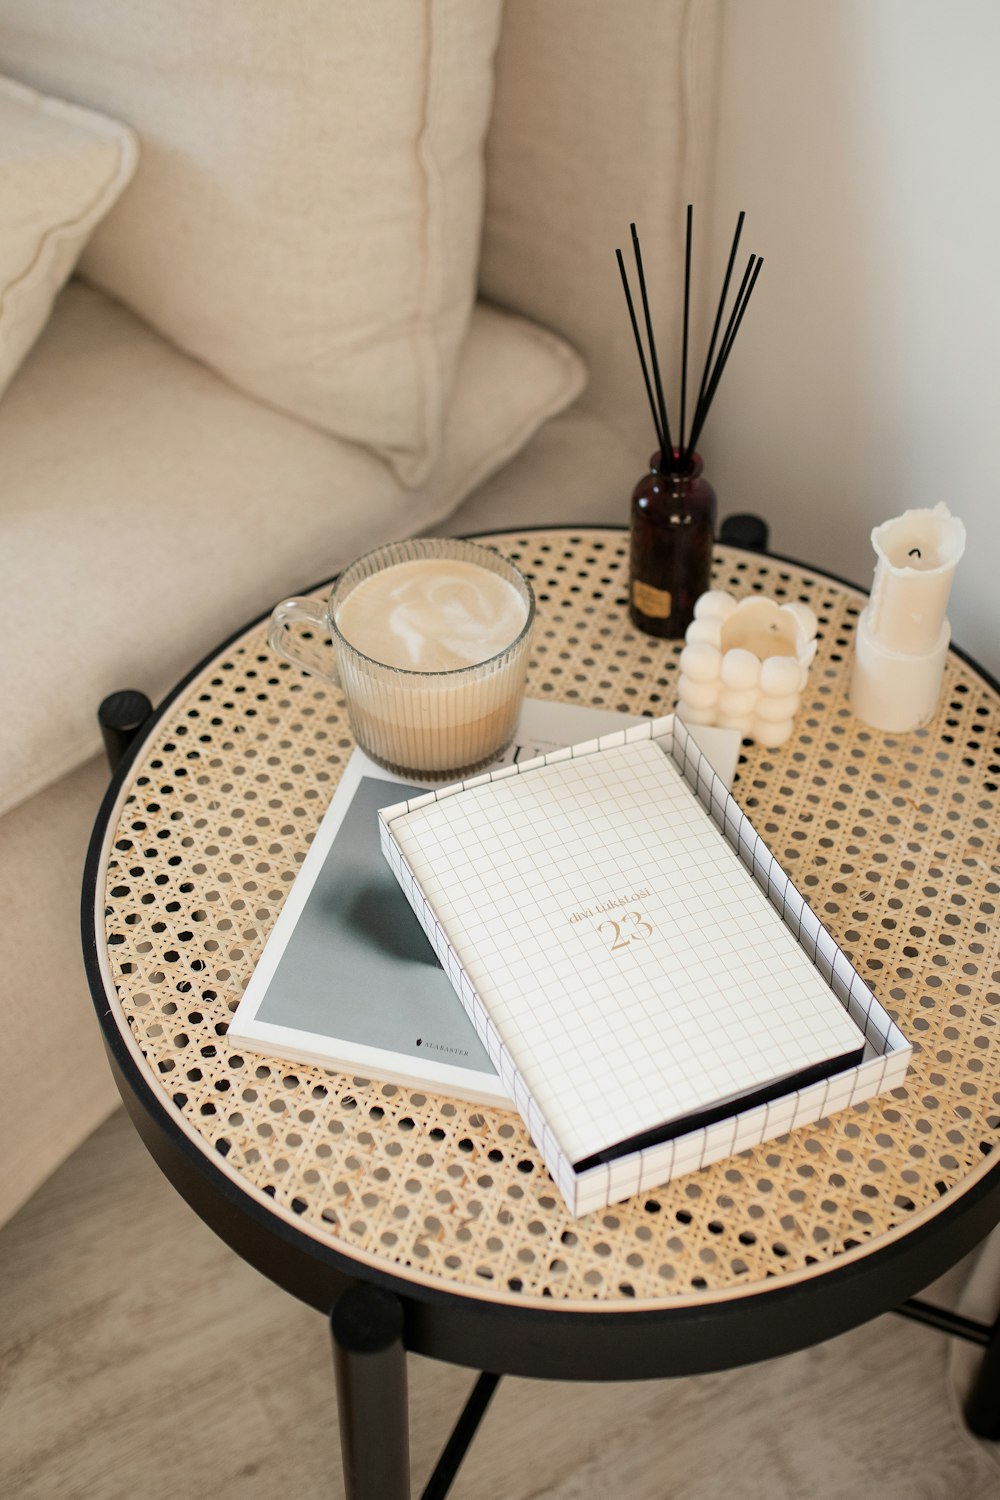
(348, 979)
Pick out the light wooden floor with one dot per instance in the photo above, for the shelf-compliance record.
(140, 1358)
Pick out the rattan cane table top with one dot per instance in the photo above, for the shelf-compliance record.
(893, 839)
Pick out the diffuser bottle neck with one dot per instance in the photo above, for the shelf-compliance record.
(676, 471)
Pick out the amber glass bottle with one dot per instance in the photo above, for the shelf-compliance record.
(673, 526)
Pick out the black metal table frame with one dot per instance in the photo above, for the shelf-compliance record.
(376, 1317)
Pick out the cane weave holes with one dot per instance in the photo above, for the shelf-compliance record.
(892, 839)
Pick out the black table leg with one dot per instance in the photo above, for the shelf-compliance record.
(121, 716)
(370, 1364)
(458, 1444)
(982, 1409)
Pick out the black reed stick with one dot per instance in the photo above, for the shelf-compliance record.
(728, 342)
(715, 373)
(687, 312)
(666, 447)
(737, 320)
(705, 396)
(732, 320)
(718, 316)
(638, 345)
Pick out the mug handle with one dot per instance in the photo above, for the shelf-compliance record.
(312, 612)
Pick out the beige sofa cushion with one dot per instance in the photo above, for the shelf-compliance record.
(61, 168)
(162, 508)
(306, 214)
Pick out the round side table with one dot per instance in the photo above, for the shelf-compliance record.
(421, 1223)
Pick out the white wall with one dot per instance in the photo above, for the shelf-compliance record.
(863, 139)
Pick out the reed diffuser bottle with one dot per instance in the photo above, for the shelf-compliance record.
(673, 506)
(670, 561)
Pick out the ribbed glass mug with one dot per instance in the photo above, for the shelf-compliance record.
(438, 723)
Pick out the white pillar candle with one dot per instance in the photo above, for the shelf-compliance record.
(903, 633)
(917, 554)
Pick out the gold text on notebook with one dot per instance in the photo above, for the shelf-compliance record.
(611, 904)
(630, 927)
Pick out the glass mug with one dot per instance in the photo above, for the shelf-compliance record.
(437, 723)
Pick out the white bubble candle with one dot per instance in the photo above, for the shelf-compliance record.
(903, 633)
(744, 665)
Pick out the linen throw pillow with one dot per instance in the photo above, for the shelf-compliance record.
(61, 169)
(307, 210)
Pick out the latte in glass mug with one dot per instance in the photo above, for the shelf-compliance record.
(431, 639)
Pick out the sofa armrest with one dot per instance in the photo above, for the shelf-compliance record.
(604, 114)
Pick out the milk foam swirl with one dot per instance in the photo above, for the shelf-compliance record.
(432, 615)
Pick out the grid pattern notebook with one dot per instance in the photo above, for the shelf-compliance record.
(621, 961)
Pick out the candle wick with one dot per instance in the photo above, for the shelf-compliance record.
(913, 552)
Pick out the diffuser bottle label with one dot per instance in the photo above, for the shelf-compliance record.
(656, 603)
